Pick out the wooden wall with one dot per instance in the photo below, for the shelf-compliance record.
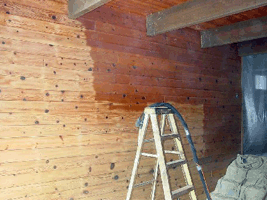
(71, 91)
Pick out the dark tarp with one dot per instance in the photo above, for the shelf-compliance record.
(254, 78)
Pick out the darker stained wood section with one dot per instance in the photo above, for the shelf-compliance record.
(168, 68)
(167, 65)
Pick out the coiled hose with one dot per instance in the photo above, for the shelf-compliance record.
(139, 124)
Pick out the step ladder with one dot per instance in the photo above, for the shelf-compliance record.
(152, 113)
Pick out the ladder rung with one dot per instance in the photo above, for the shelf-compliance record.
(149, 155)
(181, 191)
(175, 163)
(149, 140)
(164, 137)
(144, 183)
(172, 152)
(170, 136)
(163, 110)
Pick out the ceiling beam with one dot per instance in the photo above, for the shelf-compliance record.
(238, 32)
(196, 11)
(78, 8)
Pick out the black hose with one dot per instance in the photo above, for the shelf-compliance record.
(139, 123)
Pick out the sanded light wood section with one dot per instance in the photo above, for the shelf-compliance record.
(141, 137)
(195, 12)
(78, 8)
(239, 32)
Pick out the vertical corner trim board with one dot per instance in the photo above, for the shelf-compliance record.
(78, 8)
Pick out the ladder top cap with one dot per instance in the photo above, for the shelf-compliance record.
(158, 110)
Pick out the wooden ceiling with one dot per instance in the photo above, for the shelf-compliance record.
(146, 7)
(143, 7)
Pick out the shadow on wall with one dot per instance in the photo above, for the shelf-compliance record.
(223, 132)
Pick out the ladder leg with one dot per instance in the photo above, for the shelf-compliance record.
(161, 159)
(162, 127)
(155, 181)
(141, 137)
(179, 146)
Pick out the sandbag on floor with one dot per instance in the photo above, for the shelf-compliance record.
(245, 179)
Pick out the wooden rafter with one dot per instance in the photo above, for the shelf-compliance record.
(238, 32)
(78, 8)
(195, 12)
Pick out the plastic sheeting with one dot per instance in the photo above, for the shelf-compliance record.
(254, 87)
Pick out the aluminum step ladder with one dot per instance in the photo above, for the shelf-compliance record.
(159, 136)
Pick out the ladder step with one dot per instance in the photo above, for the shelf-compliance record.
(164, 137)
(175, 163)
(163, 110)
(149, 140)
(144, 183)
(170, 136)
(149, 155)
(181, 191)
(173, 152)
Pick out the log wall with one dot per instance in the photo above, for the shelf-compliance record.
(71, 91)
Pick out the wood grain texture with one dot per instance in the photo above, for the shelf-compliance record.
(71, 91)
